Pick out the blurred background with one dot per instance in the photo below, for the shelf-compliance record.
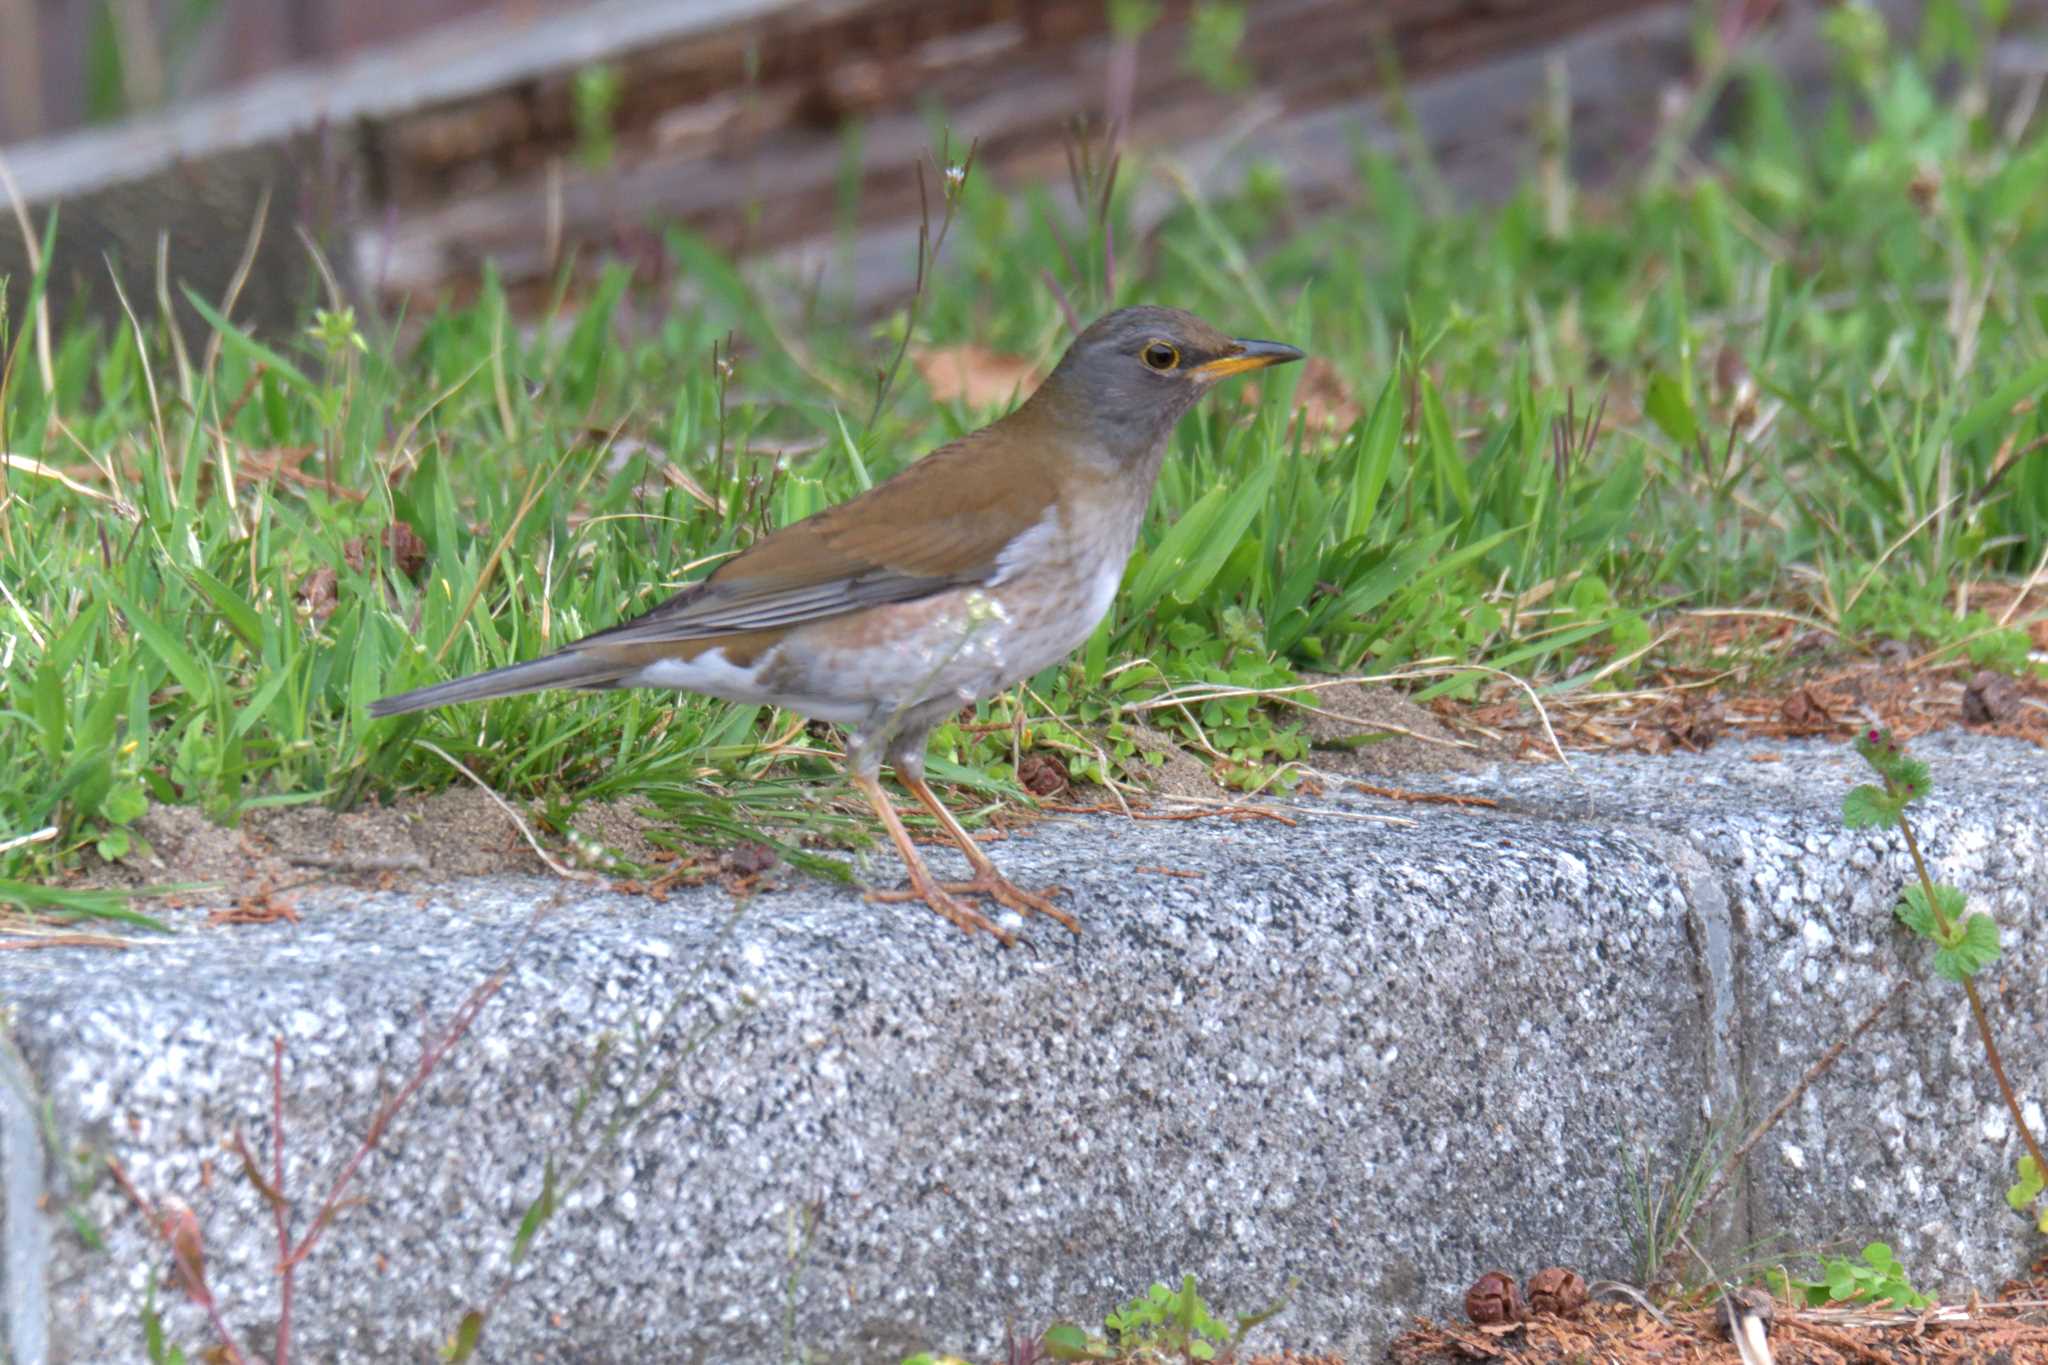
(414, 142)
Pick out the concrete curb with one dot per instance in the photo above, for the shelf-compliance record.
(1379, 1057)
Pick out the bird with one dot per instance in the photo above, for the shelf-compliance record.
(988, 560)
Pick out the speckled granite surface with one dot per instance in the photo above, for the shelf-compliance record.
(1379, 1056)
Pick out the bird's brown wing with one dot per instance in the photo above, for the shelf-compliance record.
(942, 523)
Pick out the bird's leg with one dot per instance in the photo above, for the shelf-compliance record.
(988, 878)
(923, 886)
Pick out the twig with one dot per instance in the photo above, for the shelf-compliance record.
(1059, 296)
(47, 832)
(342, 862)
(1535, 701)
(431, 1056)
(64, 941)
(1940, 510)
(280, 1209)
(1178, 697)
(1223, 808)
(1734, 1159)
(2026, 591)
(1633, 1294)
(191, 1274)
(1841, 1341)
(1425, 798)
(558, 868)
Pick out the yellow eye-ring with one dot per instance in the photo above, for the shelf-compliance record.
(1159, 355)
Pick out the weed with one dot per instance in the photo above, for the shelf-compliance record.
(952, 188)
(176, 1225)
(622, 1086)
(1159, 1325)
(594, 101)
(1875, 1278)
(156, 1349)
(1965, 941)
(1660, 1213)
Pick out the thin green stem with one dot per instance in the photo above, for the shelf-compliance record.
(1942, 924)
(952, 180)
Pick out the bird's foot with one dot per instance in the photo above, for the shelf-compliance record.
(1003, 891)
(939, 897)
(1006, 892)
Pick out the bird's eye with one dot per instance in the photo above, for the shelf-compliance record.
(1159, 355)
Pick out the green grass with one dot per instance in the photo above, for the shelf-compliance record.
(1819, 354)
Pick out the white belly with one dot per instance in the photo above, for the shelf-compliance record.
(960, 645)
(712, 674)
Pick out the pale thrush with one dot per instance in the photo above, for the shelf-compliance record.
(986, 561)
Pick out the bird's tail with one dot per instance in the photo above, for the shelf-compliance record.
(567, 669)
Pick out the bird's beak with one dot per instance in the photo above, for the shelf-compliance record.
(1245, 355)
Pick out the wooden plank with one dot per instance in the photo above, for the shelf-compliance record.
(461, 60)
(21, 70)
(701, 165)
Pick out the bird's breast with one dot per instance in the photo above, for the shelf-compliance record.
(1052, 584)
(1058, 591)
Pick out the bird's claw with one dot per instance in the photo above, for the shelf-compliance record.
(1006, 892)
(997, 888)
(935, 894)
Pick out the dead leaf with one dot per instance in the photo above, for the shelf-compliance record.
(1730, 369)
(1805, 714)
(1737, 386)
(264, 905)
(1043, 774)
(408, 552)
(284, 465)
(1990, 699)
(1322, 397)
(317, 593)
(749, 858)
(1691, 723)
(180, 1229)
(974, 374)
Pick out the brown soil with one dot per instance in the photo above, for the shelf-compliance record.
(419, 840)
(1178, 775)
(1986, 1334)
(2009, 1330)
(1772, 676)
(1366, 731)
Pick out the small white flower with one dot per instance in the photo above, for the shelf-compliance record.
(982, 609)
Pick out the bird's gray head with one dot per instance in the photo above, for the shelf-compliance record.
(1135, 372)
